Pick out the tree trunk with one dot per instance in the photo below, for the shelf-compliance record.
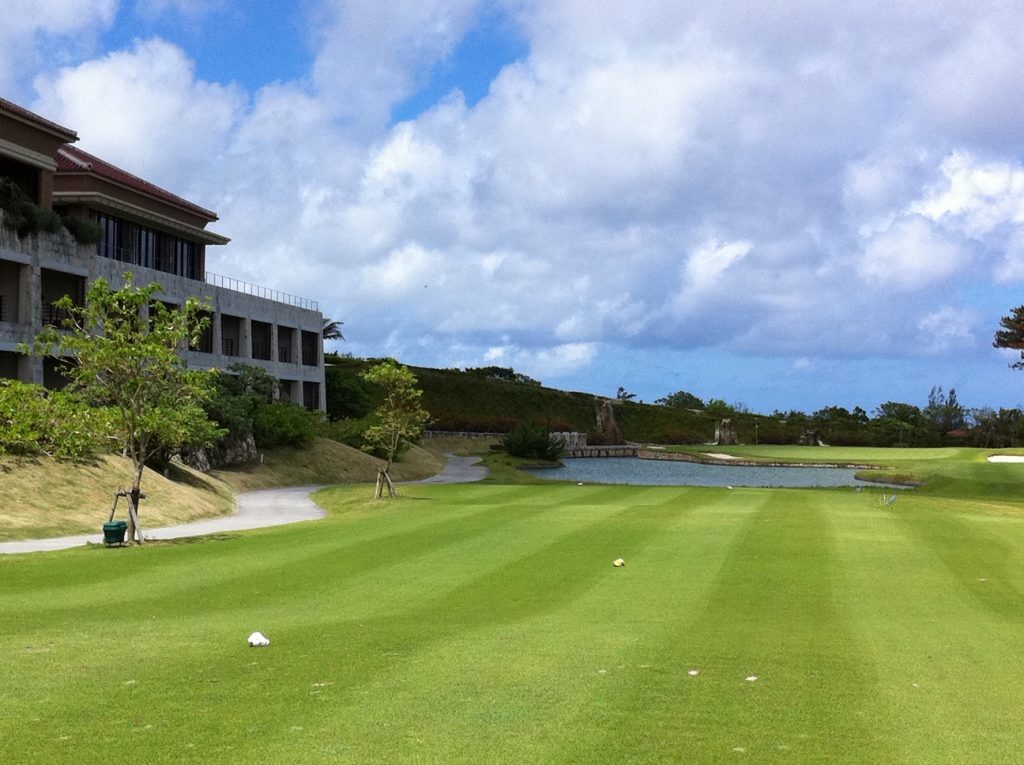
(382, 479)
(134, 529)
(392, 491)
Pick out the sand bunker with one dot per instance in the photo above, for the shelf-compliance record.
(1006, 458)
(720, 456)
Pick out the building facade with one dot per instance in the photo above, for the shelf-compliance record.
(154, 234)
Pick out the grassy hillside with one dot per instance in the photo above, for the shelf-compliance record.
(42, 498)
(325, 462)
(460, 401)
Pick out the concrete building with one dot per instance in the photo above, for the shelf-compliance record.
(156, 235)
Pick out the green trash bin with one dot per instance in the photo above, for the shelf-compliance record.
(113, 532)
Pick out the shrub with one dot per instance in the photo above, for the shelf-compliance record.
(349, 396)
(84, 231)
(349, 431)
(22, 215)
(36, 421)
(281, 424)
(531, 442)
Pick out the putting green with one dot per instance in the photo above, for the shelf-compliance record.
(486, 623)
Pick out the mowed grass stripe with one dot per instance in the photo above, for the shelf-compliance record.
(451, 673)
(294, 556)
(513, 686)
(771, 613)
(945, 648)
(200, 626)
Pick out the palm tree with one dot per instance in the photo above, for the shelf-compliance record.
(332, 330)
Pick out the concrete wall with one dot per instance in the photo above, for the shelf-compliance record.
(22, 263)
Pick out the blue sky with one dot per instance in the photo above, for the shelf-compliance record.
(789, 205)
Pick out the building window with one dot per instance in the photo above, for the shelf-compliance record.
(129, 242)
(310, 348)
(260, 340)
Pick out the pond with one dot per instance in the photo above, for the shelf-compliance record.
(638, 472)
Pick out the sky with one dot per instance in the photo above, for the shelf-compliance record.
(784, 204)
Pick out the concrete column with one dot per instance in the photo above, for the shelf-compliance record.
(30, 314)
(218, 334)
(30, 297)
(273, 343)
(245, 338)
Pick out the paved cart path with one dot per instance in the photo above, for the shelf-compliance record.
(256, 509)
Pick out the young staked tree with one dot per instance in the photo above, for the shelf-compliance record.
(399, 420)
(127, 359)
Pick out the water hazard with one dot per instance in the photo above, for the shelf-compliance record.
(638, 472)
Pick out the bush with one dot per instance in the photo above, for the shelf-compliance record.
(532, 442)
(349, 432)
(283, 424)
(349, 396)
(22, 215)
(84, 231)
(36, 421)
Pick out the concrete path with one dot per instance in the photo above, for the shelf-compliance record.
(256, 509)
(458, 470)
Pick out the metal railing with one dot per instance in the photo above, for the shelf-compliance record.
(237, 285)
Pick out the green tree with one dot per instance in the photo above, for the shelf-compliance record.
(944, 411)
(349, 396)
(129, 362)
(899, 424)
(624, 395)
(532, 442)
(1012, 334)
(398, 421)
(506, 374)
(681, 399)
(34, 420)
(332, 330)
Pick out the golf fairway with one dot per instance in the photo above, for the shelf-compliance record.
(486, 623)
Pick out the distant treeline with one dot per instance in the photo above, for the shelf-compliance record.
(496, 399)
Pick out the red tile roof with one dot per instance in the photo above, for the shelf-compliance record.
(71, 159)
(20, 111)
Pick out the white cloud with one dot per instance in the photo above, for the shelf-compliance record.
(372, 55)
(976, 197)
(707, 264)
(910, 254)
(541, 363)
(972, 87)
(410, 268)
(36, 30)
(947, 329)
(191, 9)
(144, 110)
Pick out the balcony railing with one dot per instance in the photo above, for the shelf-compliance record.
(237, 285)
(54, 315)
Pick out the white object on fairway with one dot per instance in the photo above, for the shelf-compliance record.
(752, 679)
(618, 563)
(258, 640)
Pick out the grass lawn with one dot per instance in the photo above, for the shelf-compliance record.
(485, 623)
